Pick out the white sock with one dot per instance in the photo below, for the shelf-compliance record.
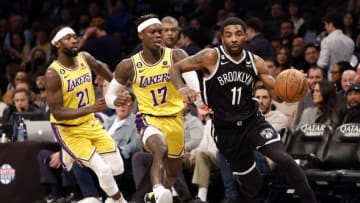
(202, 193)
(174, 193)
(157, 189)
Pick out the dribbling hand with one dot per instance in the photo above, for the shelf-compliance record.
(189, 95)
(123, 98)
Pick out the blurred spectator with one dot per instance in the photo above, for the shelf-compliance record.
(42, 41)
(17, 24)
(40, 96)
(203, 32)
(272, 64)
(314, 75)
(20, 77)
(337, 70)
(324, 110)
(257, 43)
(310, 29)
(295, 15)
(353, 101)
(194, 129)
(202, 160)
(311, 55)
(187, 42)
(286, 33)
(22, 103)
(18, 50)
(59, 184)
(170, 31)
(336, 46)
(350, 25)
(98, 43)
(297, 53)
(283, 58)
(272, 24)
(3, 106)
(119, 18)
(37, 64)
(204, 12)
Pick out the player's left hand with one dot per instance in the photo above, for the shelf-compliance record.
(55, 161)
(189, 95)
(123, 98)
(99, 105)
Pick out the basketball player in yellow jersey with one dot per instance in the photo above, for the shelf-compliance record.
(71, 98)
(159, 120)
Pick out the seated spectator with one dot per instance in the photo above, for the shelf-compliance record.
(337, 70)
(188, 41)
(3, 106)
(257, 43)
(353, 100)
(59, 184)
(202, 160)
(347, 77)
(19, 77)
(315, 74)
(194, 129)
(325, 110)
(22, 103)
(311, 55)
(277, 119)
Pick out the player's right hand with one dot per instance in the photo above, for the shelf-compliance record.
(123, 98)
(204, 111)
(189, 95)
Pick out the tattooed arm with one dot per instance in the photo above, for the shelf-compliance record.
(204, 61)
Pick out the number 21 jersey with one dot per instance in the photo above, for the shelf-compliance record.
(77, 88)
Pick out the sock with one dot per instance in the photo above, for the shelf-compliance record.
(157, 189)
(174, 193)
(202, 193)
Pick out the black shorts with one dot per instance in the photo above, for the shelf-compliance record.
(238, 140)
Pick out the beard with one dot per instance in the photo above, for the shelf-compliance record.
(70, 53)
(237, 52)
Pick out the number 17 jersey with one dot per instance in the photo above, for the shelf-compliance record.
(152, 87)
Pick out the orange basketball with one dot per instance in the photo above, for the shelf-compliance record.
(291, 85)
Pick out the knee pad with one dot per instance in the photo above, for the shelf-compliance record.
(115, 162)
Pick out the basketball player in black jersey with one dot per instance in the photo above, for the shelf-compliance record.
(228, 76)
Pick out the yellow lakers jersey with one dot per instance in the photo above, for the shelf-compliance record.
(154, 91)
(77, 88)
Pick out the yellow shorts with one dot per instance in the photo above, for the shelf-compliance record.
(171, 126)
(82, 141)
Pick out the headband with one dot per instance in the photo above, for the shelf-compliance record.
(62, 33)
(147, 23)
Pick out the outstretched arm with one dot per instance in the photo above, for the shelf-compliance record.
(205, 61)
(54, 98)
(98, 67)
(264, 73)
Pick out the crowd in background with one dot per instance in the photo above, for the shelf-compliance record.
(321, 38)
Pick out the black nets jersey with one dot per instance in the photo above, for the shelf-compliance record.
(228, 90)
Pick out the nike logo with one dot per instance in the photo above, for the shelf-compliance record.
(66, 76)
(140, 71)
(223, 63)
(248, 62)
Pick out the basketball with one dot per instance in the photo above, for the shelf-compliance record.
(291, 85)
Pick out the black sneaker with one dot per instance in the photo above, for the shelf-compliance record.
(48, 199)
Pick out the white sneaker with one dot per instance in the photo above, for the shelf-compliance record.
(90, 200)
(164, 197)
